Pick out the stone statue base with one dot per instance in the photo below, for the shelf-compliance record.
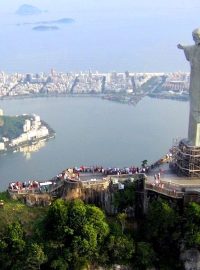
(186, 159)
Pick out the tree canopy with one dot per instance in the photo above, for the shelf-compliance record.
(11, 126)
(72, 235)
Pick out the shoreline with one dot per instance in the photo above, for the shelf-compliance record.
(101, 95)
(49, 96)
(16, 148)
(24, 144)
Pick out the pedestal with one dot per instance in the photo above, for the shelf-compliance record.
(186, 159)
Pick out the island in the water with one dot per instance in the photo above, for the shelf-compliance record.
(25, 10)
(59, 21)
(22, 130)
(45, 28)
(63, 21)
(54, 22)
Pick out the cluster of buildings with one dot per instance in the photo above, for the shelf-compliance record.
(33, 130)
(177, 83)
(85, 83)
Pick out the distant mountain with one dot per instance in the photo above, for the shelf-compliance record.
(25, 10)
(45, 28)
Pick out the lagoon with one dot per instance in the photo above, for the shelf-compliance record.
(92, 131)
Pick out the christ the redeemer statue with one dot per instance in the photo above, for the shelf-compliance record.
(192, 54)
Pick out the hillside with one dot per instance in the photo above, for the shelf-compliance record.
(11, 126)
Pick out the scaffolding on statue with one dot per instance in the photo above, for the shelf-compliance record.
(186, 159)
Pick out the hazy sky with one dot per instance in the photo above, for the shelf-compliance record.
(135, 35)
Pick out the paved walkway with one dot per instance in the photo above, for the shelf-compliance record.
(162, 180)
(167, 176)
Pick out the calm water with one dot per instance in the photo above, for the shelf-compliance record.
(92, 131)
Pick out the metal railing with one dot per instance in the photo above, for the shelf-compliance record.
(25, 191)
(56, 186)
(164, 190)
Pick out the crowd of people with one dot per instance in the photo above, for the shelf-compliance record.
(74, 173)
(24, 185)
(102, 170)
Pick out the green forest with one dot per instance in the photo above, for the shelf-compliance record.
(11, 126)
(72, 235)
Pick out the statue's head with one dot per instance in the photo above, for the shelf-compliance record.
(196, 36)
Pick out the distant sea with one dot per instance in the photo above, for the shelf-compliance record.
(112, 41)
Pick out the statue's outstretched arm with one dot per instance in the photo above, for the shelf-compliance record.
(180, 46)
(187, 50)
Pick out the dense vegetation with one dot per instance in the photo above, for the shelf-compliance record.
(73, 235)
(11, 126)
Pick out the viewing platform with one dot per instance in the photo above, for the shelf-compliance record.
(162, 180)
(158, 178)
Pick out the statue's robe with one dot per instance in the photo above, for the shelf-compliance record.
(192, 54)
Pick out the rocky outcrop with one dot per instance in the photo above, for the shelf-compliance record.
(191, 259)
(98, 193)
(32, 199)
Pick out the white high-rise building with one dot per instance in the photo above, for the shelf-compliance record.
(27, 125)
(1, 112)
